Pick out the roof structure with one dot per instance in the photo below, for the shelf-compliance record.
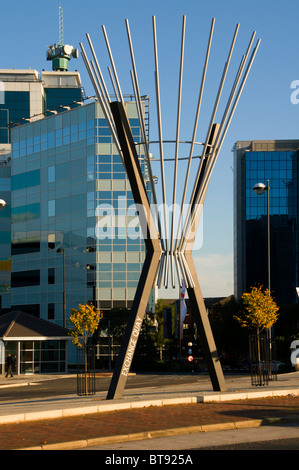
(17, 325)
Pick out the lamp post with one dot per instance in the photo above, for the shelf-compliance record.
(259, 189)
(61, 250)
(2, 206)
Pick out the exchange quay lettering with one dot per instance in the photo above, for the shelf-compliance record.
(132, 345)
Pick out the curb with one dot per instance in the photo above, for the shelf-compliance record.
(98, 441)
(229, 396)
(64, 412)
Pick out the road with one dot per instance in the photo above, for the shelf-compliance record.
(68, 386)
(262, 438)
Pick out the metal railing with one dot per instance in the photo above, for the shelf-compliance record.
(262, 356)
(86, 371)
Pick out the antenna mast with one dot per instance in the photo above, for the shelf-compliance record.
(61, 42)
(60, 54)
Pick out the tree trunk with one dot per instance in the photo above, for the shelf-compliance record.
(259, 356)
(85, 368)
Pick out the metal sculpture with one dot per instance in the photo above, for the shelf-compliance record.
(169, 243)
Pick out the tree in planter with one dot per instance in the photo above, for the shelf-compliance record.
(86, 321)
(259, 314)
(160, 339)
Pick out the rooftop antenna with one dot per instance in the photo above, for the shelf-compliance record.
(61, 42)
(60, 54)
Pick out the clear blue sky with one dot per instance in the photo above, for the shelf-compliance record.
(264, 111)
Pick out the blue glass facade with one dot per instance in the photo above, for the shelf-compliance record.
(5, 234)
(58, 97)
(280, 167)
(66, 174)
(14, 106)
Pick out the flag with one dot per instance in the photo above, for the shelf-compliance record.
(183, 308)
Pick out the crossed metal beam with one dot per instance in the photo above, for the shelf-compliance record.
(167, 258)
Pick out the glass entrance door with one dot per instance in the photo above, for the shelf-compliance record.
(29, 363)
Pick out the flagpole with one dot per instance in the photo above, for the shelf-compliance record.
(179, 326)
(182, 311)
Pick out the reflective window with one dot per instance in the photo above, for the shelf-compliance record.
(22, 246)
(51, 208)
(23, 213)
(25, 180)
(51, 174)
(14, 107)
(25, 278)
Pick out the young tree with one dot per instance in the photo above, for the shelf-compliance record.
(86, 321)
(161, 341)
(260, 309)
(260, 313)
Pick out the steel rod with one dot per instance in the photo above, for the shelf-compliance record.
(142, 125)
(96, 88)
(98, 67)
(141, 120)
(104, 102)
(166, 273)
(160, 273)
(100, 79)
(223, 78)
(212, 120)
(227, 124)
(113, 84)
(112, 63)
(195, 125)
(160, 131)
(177, 135)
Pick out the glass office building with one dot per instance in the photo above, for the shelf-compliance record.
(21, 97)
(257, 162)
(61, 89)
(69, 229)
(5, 221)
(26, 96)
(66, 181)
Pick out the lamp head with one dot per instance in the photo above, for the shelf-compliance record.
(259, 188)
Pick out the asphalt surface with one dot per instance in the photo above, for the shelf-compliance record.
(60, 385)
(44, 420)
(277, 444)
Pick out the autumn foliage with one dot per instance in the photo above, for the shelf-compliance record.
(85, 320)
(260, 309)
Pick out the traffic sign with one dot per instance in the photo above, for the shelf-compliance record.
(190, 358)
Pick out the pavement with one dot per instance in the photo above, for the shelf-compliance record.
(74, 422)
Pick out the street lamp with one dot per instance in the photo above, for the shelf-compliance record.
(259, 189)
(2, 206)
(61, 250)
